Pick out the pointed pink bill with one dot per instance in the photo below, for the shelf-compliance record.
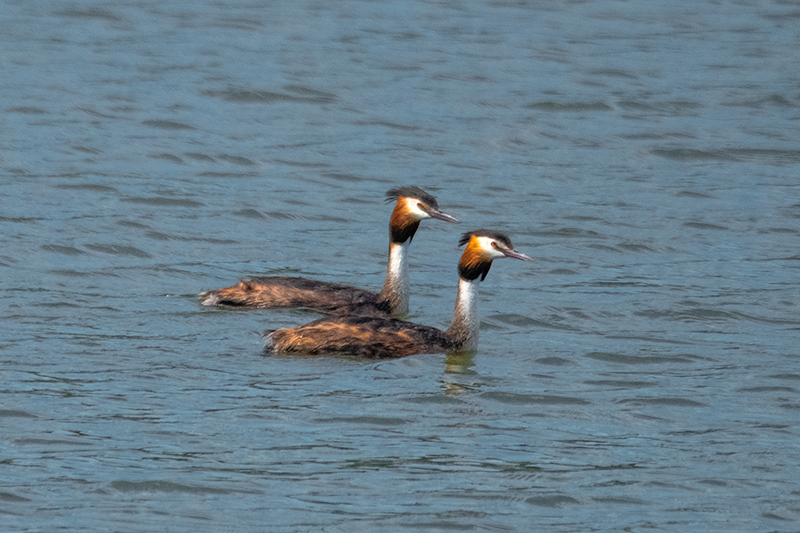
(513, 254)
(438, 215)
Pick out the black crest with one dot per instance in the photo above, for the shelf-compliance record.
(411, 192)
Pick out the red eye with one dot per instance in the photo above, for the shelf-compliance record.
(494, 244)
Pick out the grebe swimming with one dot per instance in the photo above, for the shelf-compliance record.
(412, 205)
(388, 337)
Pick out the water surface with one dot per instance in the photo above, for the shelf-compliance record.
(641, 375)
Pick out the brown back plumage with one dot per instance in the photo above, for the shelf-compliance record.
(358, 337)
(288, 292)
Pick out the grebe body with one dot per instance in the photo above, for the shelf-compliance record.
(377, 337)
(296, 292)
(412, 205)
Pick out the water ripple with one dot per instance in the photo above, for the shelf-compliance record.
(164, 486)
(569, 106)
(637, 359)
(13, 498)
(26, 110)
(673, 402)
(63, 250)
(555, 501)
(163, 201)
(16, 413)
(533, 399)
(167, 125)
(118, 249)
(773, 156)
(293, 94)
(90, 13)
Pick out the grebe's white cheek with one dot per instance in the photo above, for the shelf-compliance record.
(497, 254)
(412, 205)
(486, 245)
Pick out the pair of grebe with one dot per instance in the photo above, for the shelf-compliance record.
(366, 327)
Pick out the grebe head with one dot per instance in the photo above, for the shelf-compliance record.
(483, 247)
(417, 204)
(412, 205)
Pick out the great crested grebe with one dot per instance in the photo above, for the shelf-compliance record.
(412, 205)
(388, 337)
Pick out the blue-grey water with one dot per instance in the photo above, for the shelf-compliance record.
(642, 375)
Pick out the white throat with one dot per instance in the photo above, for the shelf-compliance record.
(396, 285)
(467, 298)
(465, 315)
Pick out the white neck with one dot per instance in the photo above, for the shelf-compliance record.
(396, 285)
(464, 330)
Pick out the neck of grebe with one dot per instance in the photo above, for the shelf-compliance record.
(464, 330)
(396, 285)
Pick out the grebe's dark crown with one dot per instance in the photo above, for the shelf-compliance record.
(492, 234)
(411, 192)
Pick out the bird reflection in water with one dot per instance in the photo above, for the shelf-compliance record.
(458, 364)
